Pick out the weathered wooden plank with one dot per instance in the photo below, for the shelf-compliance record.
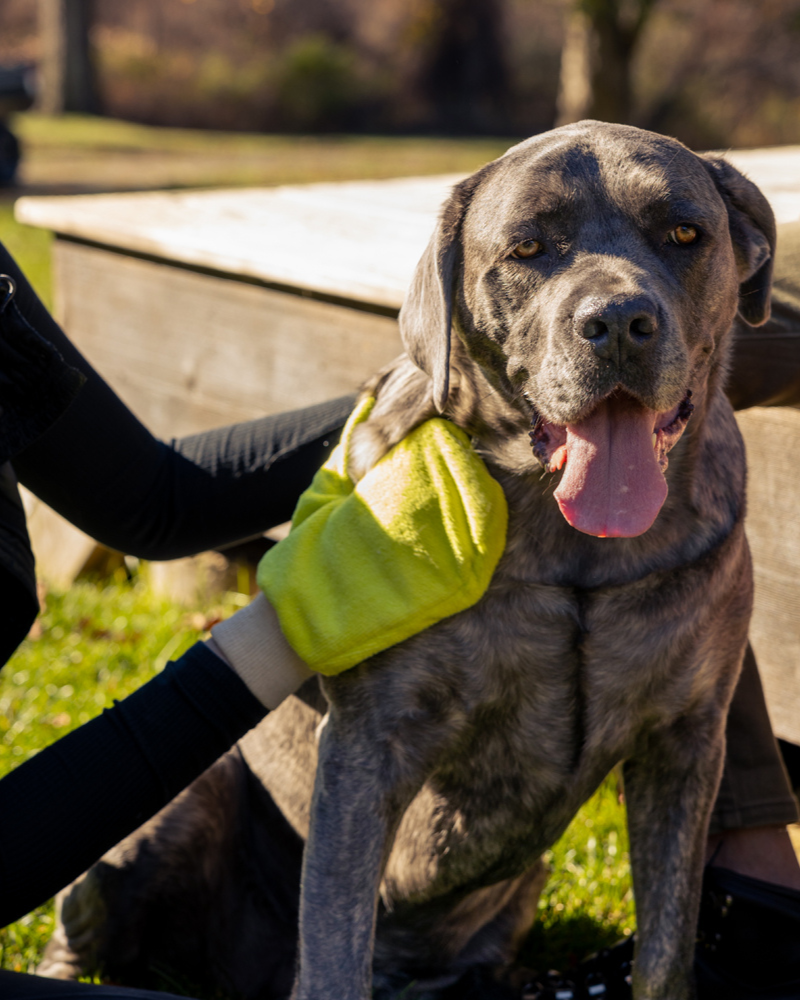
(189, 351)
(773, 529)
(359, 241)
(777, 173)
(356, 240)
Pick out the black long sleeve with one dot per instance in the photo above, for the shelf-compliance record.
(105, 473)
(103, 470)
(62, 809)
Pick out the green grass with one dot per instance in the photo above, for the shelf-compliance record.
(31, 249)
(587, 903)
(90, 132)
(81, 152)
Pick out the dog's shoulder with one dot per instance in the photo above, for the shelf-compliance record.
(720, 469)
(404, 400)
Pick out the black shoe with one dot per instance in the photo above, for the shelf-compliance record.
(748, 945)
(552, 987)
(479, 983)
(607, 975)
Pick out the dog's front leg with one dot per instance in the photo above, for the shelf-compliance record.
(365, 780)
(670, 789)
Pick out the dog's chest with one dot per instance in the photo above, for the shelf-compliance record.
(553, 699)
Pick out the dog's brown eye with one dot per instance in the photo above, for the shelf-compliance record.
(684, 234)
(528, 248)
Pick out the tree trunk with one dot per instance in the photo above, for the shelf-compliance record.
(463, 74)
(596, 61)
(66, 70)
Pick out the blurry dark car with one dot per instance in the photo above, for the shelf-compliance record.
(16, 94)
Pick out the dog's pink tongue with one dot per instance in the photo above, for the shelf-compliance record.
(612, 485)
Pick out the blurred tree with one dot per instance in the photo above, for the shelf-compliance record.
(316, 84)
(599, 44)
(711, 72)
(66, 72)
(462, 74)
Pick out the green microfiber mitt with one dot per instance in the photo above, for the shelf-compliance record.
(366, 566)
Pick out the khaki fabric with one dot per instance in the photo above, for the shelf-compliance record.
(755, 789)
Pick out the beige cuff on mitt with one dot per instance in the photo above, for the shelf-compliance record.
(253, 644)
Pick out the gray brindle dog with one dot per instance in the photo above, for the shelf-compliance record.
(592, 277)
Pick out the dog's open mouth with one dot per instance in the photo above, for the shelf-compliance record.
(613, 463)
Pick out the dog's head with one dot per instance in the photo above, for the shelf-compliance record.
(593, 274)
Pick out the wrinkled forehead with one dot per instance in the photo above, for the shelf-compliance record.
(576, 175)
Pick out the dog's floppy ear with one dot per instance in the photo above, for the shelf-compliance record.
(752, 226)
(427, 312)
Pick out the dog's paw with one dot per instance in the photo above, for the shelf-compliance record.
(81, 914)
(60, 961)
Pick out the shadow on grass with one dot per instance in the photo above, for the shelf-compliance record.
(560, 945)
(564, 943)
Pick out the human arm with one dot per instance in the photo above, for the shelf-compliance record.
(103, 470)
(73, 800)
(101, 781)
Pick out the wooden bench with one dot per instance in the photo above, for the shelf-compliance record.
(206, 307)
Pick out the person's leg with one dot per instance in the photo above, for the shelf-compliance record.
(755, 803)
(16, 986)
(749, 923)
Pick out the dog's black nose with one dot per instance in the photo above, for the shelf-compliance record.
(617, 329)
